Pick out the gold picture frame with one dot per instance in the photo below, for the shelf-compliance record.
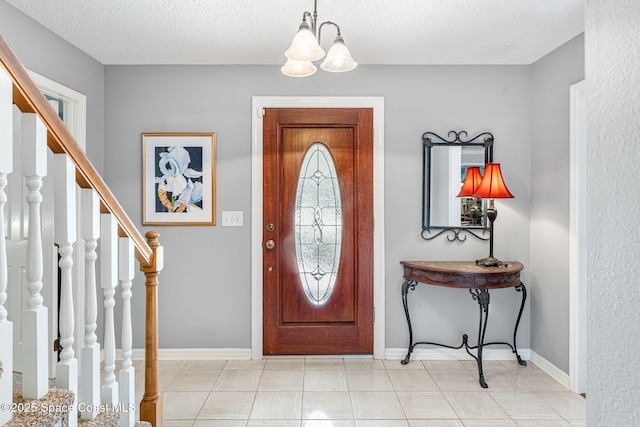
(179, 178)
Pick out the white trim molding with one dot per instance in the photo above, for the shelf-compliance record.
(193, 354)
(75, 106)
(259, 103)
(577, 239)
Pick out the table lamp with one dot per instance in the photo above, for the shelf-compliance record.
(492, 187)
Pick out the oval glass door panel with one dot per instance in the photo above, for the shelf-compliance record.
(318, 224)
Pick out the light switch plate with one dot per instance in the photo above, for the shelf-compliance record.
(232, 218)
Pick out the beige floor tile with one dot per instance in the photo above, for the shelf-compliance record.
(290, 364)
(376, 405)
(171, 364)
(227, 405)
(207, 365)
(542, 423)
(426, 405)
(194, 381)
(395, 364)
(325, 380)
(524, 406)
(537, 381)
(238, 380)
(245, 364)
(435, 423)
(514, 366)
(456, 380)
(412, 380)
(366, 392)
(281, 380)
(219, 423)
(324, 363)
(273, 423)
(328, 423)
(180, 405)
(569, 405)
(487, 365)
(363, 364)
(502, 381)
(475, 406)
(177, 423)
(165, 378)
(277, 405)
(381, 423)
(489, 423)
(443, 365)
(326, 405)
(368, 380)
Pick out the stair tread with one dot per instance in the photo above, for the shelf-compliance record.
(47, 411)
(104, 419)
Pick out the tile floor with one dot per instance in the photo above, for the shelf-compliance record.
(352, 392)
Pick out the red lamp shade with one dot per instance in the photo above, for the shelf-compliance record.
(471, 182)
(492, 185)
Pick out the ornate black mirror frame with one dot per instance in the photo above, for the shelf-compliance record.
(456, 139)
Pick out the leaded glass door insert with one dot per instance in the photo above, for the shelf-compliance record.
(318, 224)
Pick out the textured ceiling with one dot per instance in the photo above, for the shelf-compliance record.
(259, 31)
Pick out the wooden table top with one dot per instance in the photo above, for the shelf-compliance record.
(462, 274)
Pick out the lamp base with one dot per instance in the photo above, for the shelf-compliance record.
(491, 261)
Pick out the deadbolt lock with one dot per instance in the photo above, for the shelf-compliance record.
(270, 244)
(270, 227)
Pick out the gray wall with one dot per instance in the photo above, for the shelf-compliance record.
(205, 287)
(551, 77)
(613, 163)
(47, 54)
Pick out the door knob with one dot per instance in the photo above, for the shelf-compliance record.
(270, 244)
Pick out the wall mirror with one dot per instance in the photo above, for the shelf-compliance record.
(445, 164)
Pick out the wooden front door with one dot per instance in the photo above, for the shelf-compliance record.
(318, 231)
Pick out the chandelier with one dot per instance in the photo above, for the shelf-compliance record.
(305, 50)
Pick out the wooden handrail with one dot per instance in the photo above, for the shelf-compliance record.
(29, 98)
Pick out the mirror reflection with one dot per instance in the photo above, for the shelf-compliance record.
(447, 199)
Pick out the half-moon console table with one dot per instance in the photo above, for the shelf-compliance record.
(478, 280)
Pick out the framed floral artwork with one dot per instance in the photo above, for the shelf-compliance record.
(179, 178)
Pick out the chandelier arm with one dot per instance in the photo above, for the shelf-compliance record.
(330, 23)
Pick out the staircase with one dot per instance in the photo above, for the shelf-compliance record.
(86, 390)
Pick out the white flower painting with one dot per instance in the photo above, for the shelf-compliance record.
(180, 190)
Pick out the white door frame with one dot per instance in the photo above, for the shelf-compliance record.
(258, 104)
(577, 241)
(75, 118)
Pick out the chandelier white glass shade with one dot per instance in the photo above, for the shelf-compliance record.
(305, 49)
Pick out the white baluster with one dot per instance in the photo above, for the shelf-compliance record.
(6, 167)
(34, 317)
(90, 353)
(127, 372)
(108, 282)
(64, 190)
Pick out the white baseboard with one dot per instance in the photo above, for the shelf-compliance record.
(451, 354)
(193, 354)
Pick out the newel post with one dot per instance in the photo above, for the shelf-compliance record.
(151, 404)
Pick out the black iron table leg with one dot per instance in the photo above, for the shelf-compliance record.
(408, 284)
(519, 288)
(482, 296)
